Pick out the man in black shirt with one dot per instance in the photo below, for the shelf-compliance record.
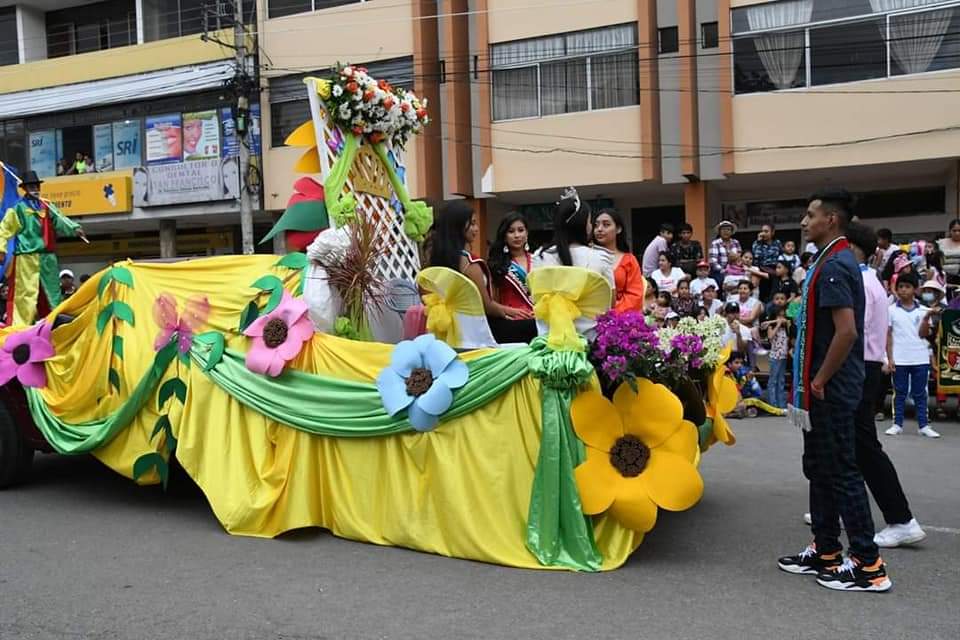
(832, 374)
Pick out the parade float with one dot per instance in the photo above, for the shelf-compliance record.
(276, 384)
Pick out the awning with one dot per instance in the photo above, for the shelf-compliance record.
(155, 84)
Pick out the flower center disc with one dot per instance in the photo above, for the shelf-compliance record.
(629, 456)
(21, 354)
(275, 333)
(419, 382)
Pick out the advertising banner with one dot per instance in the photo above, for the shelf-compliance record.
(90, 193)
(103, 147)
(164, 142)
(948, 352)
(231, 142)
(126, 144)
(185, 182)
(43, 153)
(201, 135)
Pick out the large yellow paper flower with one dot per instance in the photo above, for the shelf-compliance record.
(640, 454)
(722, 397)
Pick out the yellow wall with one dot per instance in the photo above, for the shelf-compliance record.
(352, 33)
(111, 63)
(822, 116)
(515, 171)
(508, 23)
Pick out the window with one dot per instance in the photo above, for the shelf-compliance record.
(91, 27)
(9, 53)
(668, 39)
(280, 8)
(175, 18)
(12, 144)
(709, 35)
(290, 108)
(580, 71)
(788, 44)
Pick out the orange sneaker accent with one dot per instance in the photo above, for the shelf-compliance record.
(876, 565)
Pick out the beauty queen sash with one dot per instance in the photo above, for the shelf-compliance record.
(798, 410)
(516, 277)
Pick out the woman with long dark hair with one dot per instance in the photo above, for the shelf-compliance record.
(455, 229)
(510, 262)
(572, 233)
(609, 233)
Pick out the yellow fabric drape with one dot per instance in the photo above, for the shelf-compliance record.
(462, 490)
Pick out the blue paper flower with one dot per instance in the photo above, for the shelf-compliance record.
(421, 378)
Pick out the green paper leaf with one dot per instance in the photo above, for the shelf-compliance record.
(170, 443)
(114, 376)
(123, 312)
(118, 346)
(250, 313)
(123, 276)
(104, 317)
(172, 387)
(276, 296)
(295, 261)
(104, 283)
(149, 461)
(215, 342)
(268, 283)
(162, 424)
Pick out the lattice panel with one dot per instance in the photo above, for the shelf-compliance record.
(402, 258)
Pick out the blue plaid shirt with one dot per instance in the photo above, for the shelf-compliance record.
(766, 254)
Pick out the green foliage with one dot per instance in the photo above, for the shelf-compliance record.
(170, 388)
(152, 460)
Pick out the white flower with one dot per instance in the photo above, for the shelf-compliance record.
(337, 91)
(344, 111)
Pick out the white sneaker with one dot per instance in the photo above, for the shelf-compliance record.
(928, 431)
(896, 535)
(895, 430)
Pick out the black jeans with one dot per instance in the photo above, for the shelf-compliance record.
(836, 486)
(877, 469)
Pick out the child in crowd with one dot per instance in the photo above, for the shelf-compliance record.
(755, 274)
(736, 336)
(672, 320)
(790, 256)
(800, 273)
(710, 302)
(650, 294)
(747, 385)
(777, 328)
(702, 280)
(734, 273)
(663, 306)
(784, 282)
(700, 314)
(683, 302)
(909, 354)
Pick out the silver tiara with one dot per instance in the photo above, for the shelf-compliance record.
(570, 193)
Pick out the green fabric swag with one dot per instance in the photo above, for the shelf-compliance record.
(558, 533)
(333, 185)
(417, 215)
(84, 437)
(328, 406)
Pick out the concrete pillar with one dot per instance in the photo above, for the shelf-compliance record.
(168, 238)
(701, 206)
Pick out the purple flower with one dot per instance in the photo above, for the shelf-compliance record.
(687, 345)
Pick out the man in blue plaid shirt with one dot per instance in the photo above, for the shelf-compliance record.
(766, 252)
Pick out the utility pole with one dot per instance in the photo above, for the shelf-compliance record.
(243, 111)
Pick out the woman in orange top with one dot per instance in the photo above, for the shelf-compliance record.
(608, 232)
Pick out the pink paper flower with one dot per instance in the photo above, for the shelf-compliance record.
(171, 323)
(278, 336)
(22, 356)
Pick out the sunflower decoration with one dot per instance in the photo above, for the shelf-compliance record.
(722, 397)
(640, 454)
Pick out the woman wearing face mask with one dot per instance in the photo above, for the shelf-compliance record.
(609, 234)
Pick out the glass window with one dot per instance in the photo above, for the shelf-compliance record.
(797, 12)
(91, 27)
(280, 8)
(847, 52)
(709, 35)
(285, 117)
(668, 39)
(9, 53)
(768, 62)
(579, 71)
(12, 147)
(928, 41)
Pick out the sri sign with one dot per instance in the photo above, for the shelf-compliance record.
(90, 193)
(185, 182)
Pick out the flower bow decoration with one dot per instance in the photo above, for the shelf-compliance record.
(563, 294)
(344, 210)
(640, 454)
(23, 354)
(278, 336)
(441, 320)
(421, 378)
(559, 312)
(195, 314)
(417, 220)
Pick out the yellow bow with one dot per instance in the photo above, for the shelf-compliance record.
(559, 312)
(441, 320)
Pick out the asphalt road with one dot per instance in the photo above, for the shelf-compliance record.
(86, 554)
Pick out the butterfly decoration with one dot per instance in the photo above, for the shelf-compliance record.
(401, 172)
(195, 314)
(335, 141)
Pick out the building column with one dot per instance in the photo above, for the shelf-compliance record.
(689, 111)
(168, 238)
(426, 66)
(699, 201)
(649, 77)
(457, 124)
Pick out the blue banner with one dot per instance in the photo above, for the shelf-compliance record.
(127, 151)
(43, 153)
(103, 147)
(164, 139)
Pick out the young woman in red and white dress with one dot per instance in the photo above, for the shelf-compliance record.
(510, 262)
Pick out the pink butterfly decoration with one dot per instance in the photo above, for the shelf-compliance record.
(195, 314)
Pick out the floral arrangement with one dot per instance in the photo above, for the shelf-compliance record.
(698, 344)
(372, 108)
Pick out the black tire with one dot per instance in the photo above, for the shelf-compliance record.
(16, 457)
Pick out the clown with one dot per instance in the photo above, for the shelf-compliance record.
(34, 271)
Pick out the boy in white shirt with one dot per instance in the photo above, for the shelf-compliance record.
(909, 356)
(698, 284)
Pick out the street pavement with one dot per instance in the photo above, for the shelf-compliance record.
(87, 554)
